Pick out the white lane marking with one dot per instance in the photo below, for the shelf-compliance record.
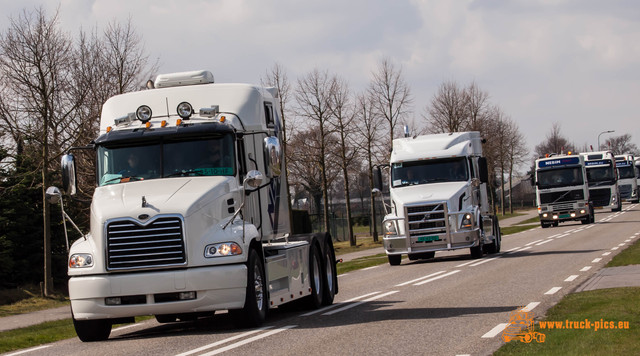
(571, 278)
(563, 235)
(495, 331)
(126, 327)
(317, 311)
(520, 250)
(436, 278)
(585, 268)
(513, 249)
(543, 242)
(622, 244)
(466, 263)
(360, 302)
(606, 253)
(483, 261)
(29, 350)
(224, 341)
(532, 242)
(529, 307)
(249, 340)
(596, 260)
(552, 290)
(627, 240)
(372, 267)
(342, 275)
(421, 278)
(615, 248)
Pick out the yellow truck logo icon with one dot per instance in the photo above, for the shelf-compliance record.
(521, 328)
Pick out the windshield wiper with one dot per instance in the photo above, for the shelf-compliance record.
(185, 173)
(120, 179)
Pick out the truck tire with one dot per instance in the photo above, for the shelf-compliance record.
(394, 260)
(544, 225)
(92, 330)
(495, 246)
(477, 251)
(256, 302)
(316, 280)
(330, 274)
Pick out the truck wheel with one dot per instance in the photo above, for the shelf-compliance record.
(544, 225)
(330, 275)
(476, 252)
(92, 330)
(555, 224)
(394, 260)
(254, 311)
(314, 300)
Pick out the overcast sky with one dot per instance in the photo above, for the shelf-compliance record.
(576, 62)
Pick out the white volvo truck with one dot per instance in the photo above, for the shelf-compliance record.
(438, 198)
(189, 215)
(627, 182)
(602, 176)
(562, 192)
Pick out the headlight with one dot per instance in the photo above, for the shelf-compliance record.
(467, 221)
(222, 249)
(390, 228)
(143, 113)
(185, 110)
(80, 260)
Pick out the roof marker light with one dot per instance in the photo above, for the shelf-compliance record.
(163, 123)
(179, 122)
(185, 110)
(143, 113)
(147, 124)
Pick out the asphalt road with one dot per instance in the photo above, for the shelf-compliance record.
(451, 305)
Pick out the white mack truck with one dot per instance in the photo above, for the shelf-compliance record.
(602, 176)
(562, 192)
(189, 215)
(627, 181)
(438, 198)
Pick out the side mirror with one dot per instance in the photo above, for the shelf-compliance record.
(484, 171)
(53, 195)
(377, 178)
(533, 179)
(68, 165)
(253, 179)
(273, 156)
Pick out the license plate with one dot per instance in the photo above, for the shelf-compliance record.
(565, 216)
(427, 238)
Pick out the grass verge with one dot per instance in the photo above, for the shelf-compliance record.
(363, 243)
(613, 305)
(362, 262)
(40, 334)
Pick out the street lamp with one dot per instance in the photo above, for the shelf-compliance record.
(603, 132)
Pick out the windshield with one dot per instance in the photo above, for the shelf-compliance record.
(213, 156)
(601, 174)
(626, 172)
(429, 171)
(562, 177)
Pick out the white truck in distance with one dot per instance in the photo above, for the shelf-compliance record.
(562, 192)
(602, 176)
(190, 215)
(438, 198)
(627, 181)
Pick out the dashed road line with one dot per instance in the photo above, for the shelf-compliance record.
(585, 268)
(495, 331)
(572, 278)
(249, 340)
(596, 260)
(349, 306)
(436, 278)
(321, 310)
(421, 278)
(224, 341)
(552, 291)
(529, 307)
(483, 261)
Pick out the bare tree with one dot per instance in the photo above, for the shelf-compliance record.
(619, 145)
(448, 110)
(38, 66)
(391, 95)
(313, 95)
(343, 118)
(476, 107)
(554, 143)
(370, 146)
(517, 155)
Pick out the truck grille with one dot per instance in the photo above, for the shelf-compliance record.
(159, 243)
(600, 197)
(562, 207)
(426, 219)
(561, 197)
(625, 191)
